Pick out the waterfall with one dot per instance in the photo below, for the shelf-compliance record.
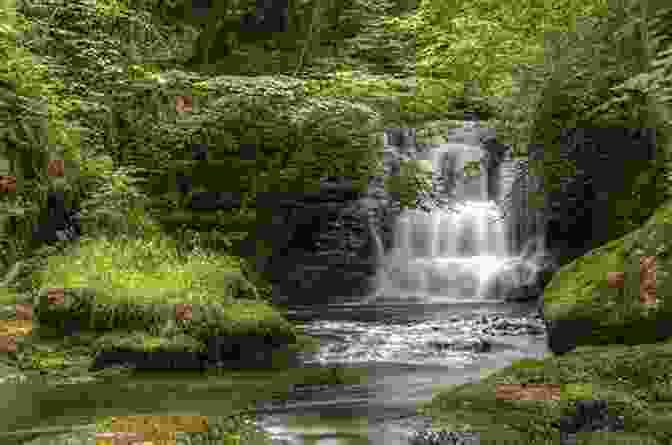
(378, 249)
(449, 253)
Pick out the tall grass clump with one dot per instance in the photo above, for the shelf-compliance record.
(148, 269)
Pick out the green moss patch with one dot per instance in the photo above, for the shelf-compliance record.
(237, 319)
(636, 381)
(579, 290)
(53, 360)
(143, 342)
(145, 271)
(527, 363)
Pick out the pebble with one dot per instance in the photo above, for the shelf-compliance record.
(443, 437)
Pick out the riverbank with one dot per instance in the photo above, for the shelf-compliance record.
(636, 382)
(154, 310)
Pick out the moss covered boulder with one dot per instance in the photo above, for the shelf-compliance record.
(633, 380)
(580, 308)
(155, 334)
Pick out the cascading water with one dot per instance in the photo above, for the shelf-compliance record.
(448, 253)
(447, 262)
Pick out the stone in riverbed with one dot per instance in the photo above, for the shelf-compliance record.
(478, 345)
(443, 437)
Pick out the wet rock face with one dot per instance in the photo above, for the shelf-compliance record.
(591, 416)
(520, 281)
(563, 335)
(252, 353)
(580, 213)
(323, 249)
(57, 222)
(325, 244)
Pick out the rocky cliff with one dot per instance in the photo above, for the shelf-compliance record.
(328, 245)
(589, 208)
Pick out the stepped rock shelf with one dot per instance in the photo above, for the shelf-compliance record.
(242, 335)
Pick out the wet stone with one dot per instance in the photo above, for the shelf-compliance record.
(443, 437)
(435, 340)
(590, 416)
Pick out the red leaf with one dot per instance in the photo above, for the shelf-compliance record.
(56, 168)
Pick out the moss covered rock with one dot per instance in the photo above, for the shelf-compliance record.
(142, 342)
(581, 309)
(633, 380)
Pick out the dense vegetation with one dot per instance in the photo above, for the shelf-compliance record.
(110, 94)
(96, 83)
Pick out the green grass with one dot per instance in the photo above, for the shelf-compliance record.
(527, 363)
(144, 270)
(8, 296)
(153, 270)
(636, 381)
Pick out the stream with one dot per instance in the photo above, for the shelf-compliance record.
(408, 349)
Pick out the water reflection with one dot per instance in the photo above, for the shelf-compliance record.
(406, 350)
(394, 342)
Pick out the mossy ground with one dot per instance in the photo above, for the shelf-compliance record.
(621, 360)
(636, 381)
(579, 290)
(149, 273)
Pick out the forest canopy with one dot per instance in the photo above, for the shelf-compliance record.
(95, 83)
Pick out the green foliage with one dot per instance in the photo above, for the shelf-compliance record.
(458, 42)
(115, 204)
(527, 364)
(141, 341)
(146, 270)
(348, 82)
(24, 143)
(599, 73)
(577, 391)
(411, 185)
(113, 90)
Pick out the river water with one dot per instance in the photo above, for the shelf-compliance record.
(409, 351)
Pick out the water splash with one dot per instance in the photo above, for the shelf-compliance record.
(454, 254)
(519, 277)
(378, 248)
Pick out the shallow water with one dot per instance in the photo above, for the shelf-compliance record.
(407, 349)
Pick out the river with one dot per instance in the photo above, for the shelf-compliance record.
(428, 326)
(409, 351)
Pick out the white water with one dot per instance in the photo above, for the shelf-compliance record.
(445, 261)
(447, 254)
